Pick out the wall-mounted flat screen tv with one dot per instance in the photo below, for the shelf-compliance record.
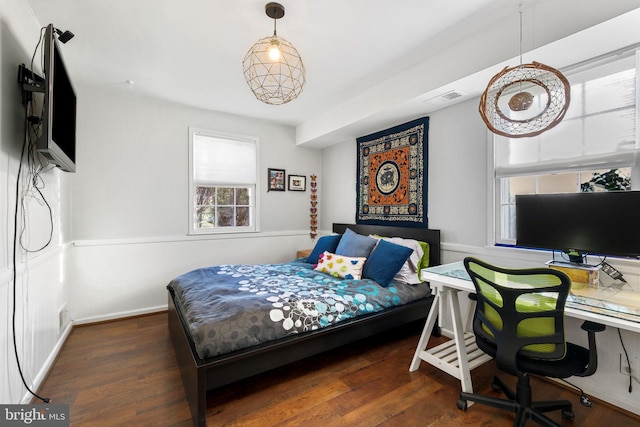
(57, 141)
(598, 223)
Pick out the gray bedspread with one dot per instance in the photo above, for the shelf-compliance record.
(230, 307)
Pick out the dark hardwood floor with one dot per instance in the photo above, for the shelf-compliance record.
(124, 373)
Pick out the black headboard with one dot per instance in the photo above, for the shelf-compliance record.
(422, 234)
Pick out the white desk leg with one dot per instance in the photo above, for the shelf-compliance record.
(426, 332)
(461, 350)
(445, 303)
(472, 309)
(441, 308)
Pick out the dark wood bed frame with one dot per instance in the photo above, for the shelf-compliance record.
(200, 375)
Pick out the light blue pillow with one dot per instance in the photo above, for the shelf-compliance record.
(325, 243)
(385, 261)
(355, 245)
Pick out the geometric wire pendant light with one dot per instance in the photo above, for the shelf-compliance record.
(272, 67)
(526, 100)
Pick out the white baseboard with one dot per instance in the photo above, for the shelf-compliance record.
(48, 364)
(120, 315)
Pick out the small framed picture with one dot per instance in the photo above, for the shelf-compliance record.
(297, 183)
(276, 179)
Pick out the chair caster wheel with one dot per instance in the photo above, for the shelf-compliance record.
(495, 385)
(462, 404)
(568, 414)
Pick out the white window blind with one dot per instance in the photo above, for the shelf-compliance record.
(598, 131)
(223, 161)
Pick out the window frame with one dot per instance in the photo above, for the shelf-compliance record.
(494, 179)
(254, 205)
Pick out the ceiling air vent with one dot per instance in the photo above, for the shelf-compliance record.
(446, 97)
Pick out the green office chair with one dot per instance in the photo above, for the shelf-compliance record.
(519, 320)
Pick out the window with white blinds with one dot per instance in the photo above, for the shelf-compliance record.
(222, 182)
(597, 137)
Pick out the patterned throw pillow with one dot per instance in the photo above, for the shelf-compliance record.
(340, 266)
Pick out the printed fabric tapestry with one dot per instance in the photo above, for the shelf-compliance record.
(392, 176)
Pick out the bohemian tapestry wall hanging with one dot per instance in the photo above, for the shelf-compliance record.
(392, 176)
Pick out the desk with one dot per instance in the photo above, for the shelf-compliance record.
(460, 355)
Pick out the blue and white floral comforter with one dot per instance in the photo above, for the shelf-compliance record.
(230, 307)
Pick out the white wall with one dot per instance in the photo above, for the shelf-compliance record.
(459, 202)
(130, 201)
(40, 285)
(337, 194)
(132, 173)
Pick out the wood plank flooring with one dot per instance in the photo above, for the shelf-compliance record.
(124, 373)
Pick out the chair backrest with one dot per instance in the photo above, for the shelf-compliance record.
(519, 311)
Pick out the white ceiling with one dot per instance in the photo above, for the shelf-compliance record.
(191, 51)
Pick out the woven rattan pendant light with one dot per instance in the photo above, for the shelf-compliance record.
(272, 67)
(526, 100)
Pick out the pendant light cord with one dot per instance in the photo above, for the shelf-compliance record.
(520, 12)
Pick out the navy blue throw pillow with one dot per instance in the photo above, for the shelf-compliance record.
(325, 243)
(385, 261)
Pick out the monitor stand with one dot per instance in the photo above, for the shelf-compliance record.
(581, 275)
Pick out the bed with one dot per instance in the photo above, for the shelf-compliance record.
(203, 369)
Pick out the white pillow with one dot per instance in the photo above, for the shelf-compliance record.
(416, 256)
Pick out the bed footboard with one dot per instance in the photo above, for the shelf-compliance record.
(199, 375)
(193, 376)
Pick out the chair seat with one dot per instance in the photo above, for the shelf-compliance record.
(573, 363)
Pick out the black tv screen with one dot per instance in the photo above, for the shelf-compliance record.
(58, 139)
(599, 223)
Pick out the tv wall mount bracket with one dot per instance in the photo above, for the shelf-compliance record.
(31, 82)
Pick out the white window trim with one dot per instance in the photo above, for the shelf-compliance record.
(492, 217)
(192, 231)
